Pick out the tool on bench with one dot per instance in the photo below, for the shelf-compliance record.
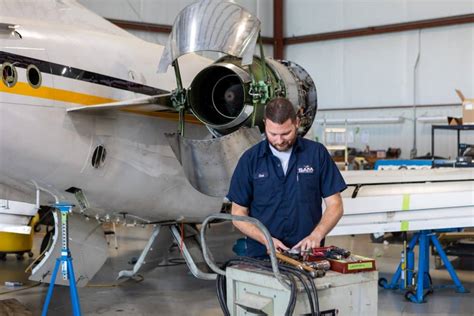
(315, 273)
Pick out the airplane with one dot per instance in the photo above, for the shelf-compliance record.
(134, 132)
(86, 117)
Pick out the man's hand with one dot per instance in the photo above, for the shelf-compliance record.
(278, 245)
(331, 216)
(313, 240)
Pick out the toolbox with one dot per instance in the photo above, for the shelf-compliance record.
(353, 264)
(341, 260)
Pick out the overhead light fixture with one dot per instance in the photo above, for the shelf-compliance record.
(432, 119)
(368, 120)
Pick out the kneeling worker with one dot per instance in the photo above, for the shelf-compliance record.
(281, 182)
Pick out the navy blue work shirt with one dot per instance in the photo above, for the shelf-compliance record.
(288, 205)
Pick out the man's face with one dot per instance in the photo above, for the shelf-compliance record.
(281, 136)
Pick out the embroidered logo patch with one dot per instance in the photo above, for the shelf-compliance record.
(261, 175)
(306, 169)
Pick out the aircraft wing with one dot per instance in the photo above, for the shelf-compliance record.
(161, 102)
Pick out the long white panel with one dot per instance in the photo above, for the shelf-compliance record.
(407, 200)
(396, 226)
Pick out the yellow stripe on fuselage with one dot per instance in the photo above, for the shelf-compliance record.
(23, 88)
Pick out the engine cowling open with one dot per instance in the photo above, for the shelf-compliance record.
(230, 95)
(226, 95)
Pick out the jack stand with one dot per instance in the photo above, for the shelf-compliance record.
(421, 280)
(65, 261)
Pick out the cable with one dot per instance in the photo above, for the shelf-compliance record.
(313, 287)
(305, 286)
(222, 293)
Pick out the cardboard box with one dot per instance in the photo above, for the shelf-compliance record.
(467, 109)
(453, 121)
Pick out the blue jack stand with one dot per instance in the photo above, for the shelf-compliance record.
(65, 261)
(405, 277)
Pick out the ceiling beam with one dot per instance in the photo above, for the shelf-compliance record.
(381, 29)
(141, 26)
(278, 46)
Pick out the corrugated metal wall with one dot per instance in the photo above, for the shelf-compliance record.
(420, 67)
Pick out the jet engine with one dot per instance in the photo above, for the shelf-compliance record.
(226, 95)
(230, 95)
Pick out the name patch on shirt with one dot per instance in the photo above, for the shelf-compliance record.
(261, 175)
(306, 169)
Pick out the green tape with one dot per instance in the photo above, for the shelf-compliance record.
(404, 226)
(406, 202)
(359, 266)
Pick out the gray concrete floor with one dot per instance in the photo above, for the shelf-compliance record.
(174, 291)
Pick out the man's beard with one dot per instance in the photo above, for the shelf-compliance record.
(284, 146)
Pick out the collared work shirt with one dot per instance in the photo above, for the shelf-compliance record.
(288, 205)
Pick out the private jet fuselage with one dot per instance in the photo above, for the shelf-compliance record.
(119, 159)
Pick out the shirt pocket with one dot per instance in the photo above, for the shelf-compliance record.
(308, 188)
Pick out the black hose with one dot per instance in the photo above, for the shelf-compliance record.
(300, 273)
(221, 294)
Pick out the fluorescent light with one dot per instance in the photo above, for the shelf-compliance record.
(368, 120)
(432, 119)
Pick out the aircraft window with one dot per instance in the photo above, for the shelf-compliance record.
(98, 157)
(9, 75)
(34, 76)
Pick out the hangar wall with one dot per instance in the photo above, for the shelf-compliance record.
(407, 75)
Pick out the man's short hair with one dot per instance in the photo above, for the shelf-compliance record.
(279, 110)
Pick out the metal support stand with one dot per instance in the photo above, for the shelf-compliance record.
(65, 261)
(141, 260)
(420, 280)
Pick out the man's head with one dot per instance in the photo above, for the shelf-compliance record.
(281, 124)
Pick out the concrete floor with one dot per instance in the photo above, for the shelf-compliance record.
(174, 291)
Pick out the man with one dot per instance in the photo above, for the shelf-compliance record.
(281, 182)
